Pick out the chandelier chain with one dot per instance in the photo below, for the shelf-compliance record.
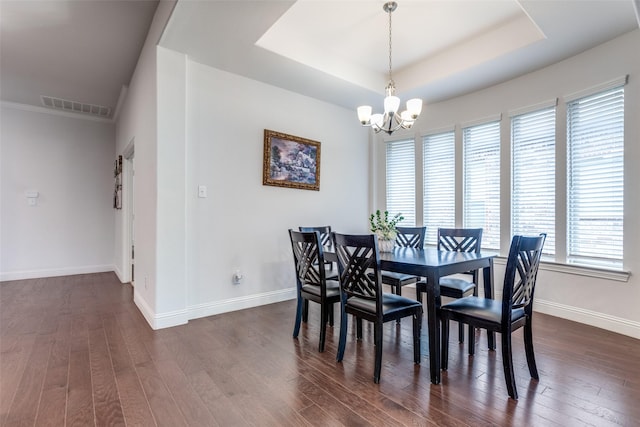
(390, 69)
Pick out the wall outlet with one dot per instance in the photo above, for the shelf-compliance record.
(237, 277)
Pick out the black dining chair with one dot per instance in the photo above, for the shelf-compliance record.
(513, 312)
(325, 240)
(362, 295)
(408, 237)
(457, 240)
(312, 284)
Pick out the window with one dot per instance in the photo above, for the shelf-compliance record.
(533, 140)
(439, 192)
(481, 198)
(401, 180)
(595, 161)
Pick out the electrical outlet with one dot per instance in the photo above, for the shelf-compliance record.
(237, 277)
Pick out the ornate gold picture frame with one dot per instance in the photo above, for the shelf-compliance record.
(290, 161)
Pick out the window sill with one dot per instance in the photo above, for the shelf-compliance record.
(600, 273)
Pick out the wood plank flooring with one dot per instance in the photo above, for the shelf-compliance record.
(76, 351)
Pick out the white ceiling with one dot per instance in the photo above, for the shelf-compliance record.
(78, 50)
(337, 51)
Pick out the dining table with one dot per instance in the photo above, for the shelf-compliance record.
(432, 264)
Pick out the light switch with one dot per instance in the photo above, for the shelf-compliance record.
(202, 191)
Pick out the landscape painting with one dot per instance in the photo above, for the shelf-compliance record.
(290, 161)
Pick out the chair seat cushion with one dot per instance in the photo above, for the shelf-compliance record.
(455, 288)
(485, 309)
(398, 279)
(391, 303)
(333, 289)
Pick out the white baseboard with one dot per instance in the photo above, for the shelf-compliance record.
(67, 271)
(240, 303)
(162, 320)
(118, 273)
(588, 317)
(180, 317)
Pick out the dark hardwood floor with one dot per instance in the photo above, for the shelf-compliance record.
(75, 351)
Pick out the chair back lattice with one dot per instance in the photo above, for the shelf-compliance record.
(460, 239)
(307, 257)
(325, 234)
(521, 272)
(357, 257)
(411, 237)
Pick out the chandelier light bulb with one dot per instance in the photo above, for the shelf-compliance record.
(391, 105)
(364, 114)
(414, 107)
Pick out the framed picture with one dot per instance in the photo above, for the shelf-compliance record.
(290, 161)
(117, 191)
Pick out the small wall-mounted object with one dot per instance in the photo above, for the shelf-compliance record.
(32, 197)
(237, 277)
(117, 191)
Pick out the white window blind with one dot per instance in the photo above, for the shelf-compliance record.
(481, 198)
(595, 165)
(439, 192)
(401, 180)
(533, 140)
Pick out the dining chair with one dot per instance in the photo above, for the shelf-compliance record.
(312, 284)
(457, 240)
(513, 312)
(325, 240)
(361, 295)
(408, 237)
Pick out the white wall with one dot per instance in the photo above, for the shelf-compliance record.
(69, 161)
(243, 224)
(195, 125)
(137, 123)
(605, 303)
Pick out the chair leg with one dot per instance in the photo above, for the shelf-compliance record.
(444, 350)
(419, 295)
(528, 347)
(472, 341)
(358, 328)
(323, 326)
(343, 333)
(507, 364)
(296, 328)
(417, 331)
(305, 311)
(378, 363)
(460, 332)
(330, 314)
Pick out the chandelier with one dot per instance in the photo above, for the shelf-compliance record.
(390, 121)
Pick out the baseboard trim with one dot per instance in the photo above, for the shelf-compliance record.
(181, 317)
(159, 321)
(240, 303)
(67, 271)
(588, 317)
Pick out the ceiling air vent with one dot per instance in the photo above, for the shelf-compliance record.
(75, 107)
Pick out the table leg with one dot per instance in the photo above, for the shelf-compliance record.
(433, 320)
(487, 276)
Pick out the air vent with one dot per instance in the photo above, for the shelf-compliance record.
(75, 107)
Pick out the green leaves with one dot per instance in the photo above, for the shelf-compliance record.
(384, 227)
